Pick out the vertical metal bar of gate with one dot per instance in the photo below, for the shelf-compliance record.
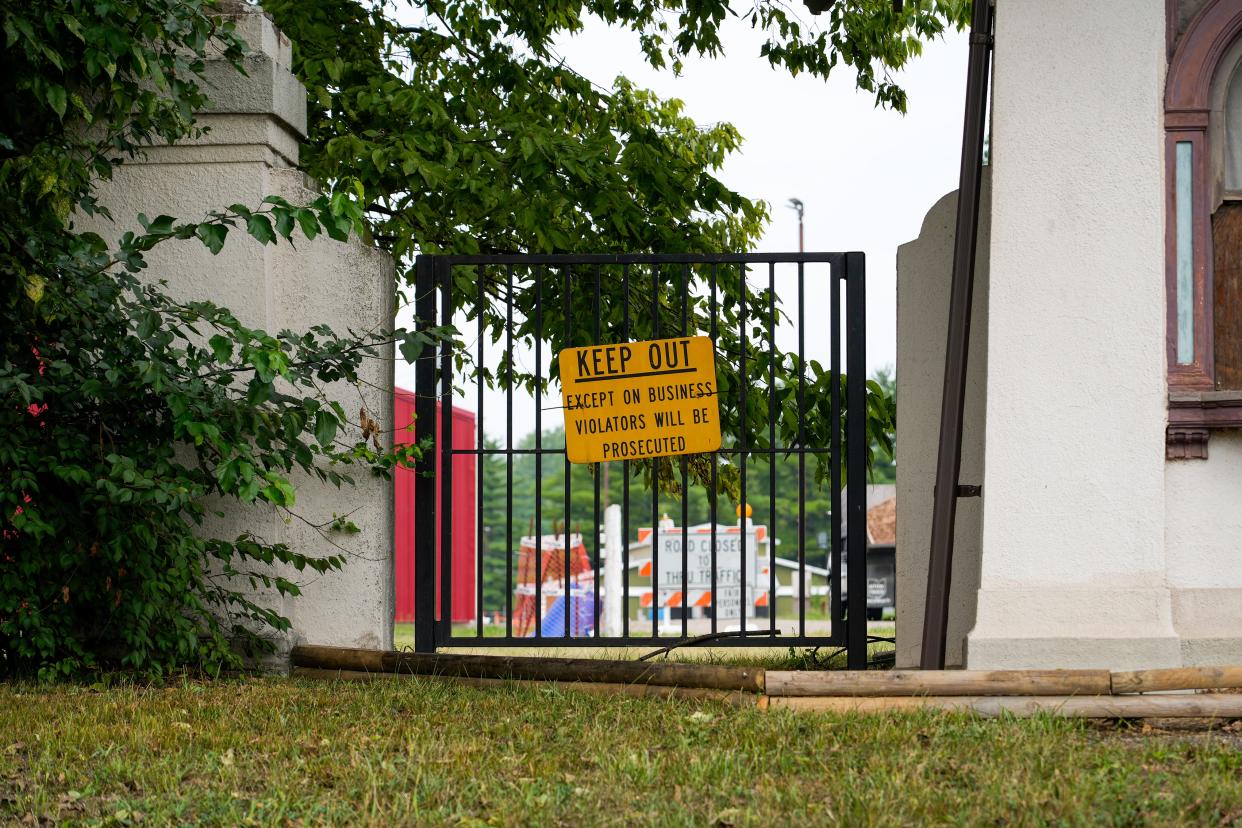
(425, 465)
(655, 488)
(508, 440)
(479, 543)
(742, 441)
(834, 469)
(856, 456)
(537, 529)
(771, 538)
(685, 490)
(957, 343)
(566, 595)
(715, 492)
(444, 278)
(802, 449)
(597, 470)
(625, 473)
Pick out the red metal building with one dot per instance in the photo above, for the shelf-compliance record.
(465, 479)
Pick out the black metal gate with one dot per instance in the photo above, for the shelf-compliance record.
(793, 416)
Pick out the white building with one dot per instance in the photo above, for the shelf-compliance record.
(1105, 387)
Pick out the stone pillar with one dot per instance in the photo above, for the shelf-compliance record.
(255, 124)
(924, 275)
(1074, 568)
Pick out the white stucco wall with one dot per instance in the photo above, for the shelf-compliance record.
(1203, 532)
(1074, 569)
(924, 276)
(256, 123)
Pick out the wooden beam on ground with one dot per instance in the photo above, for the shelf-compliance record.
(706, 676)
(1177, 678)
(1209, 706)
(938, 683)
(736, 698)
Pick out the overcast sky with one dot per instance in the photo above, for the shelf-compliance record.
(866, 175)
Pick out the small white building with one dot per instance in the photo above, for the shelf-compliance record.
(1104, 395)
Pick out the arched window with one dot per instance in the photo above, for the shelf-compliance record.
(1230, 119)
(1203, 123)
(1227, 230)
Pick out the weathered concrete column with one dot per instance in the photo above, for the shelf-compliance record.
(256, 122)
(924, 269)
(1074, 567)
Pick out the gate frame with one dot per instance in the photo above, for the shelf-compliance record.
(433, 278)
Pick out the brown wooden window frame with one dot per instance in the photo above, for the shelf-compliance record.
(1196, 406)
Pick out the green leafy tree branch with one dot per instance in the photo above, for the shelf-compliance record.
(466, 133)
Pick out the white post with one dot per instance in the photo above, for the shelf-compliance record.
(614, 601)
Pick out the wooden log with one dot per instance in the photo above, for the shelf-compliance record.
(938, 683)
(1214, 706)
(339, 675)
(1177, 678)
(707, 676)
(736, 698)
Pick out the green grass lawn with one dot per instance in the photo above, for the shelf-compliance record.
(413, 752)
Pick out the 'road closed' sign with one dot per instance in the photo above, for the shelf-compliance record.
(640, 399)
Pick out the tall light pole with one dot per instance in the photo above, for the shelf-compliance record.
(796, 205)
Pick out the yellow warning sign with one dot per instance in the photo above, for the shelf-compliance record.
(640, 399)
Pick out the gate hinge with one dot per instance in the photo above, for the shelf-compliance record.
(963, 490)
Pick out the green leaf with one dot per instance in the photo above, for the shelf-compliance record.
(150, 324)
(261, 228)
(308, 222)
(284, 223)
(57, 99)
(74, 26)
(212, 235)
(411, 346)
(162, 226)
(34, 287)
(325, 428)
(221, 347)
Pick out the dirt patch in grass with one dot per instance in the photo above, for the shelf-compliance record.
(1184, 730)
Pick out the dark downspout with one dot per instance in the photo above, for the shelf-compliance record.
(949, 457)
